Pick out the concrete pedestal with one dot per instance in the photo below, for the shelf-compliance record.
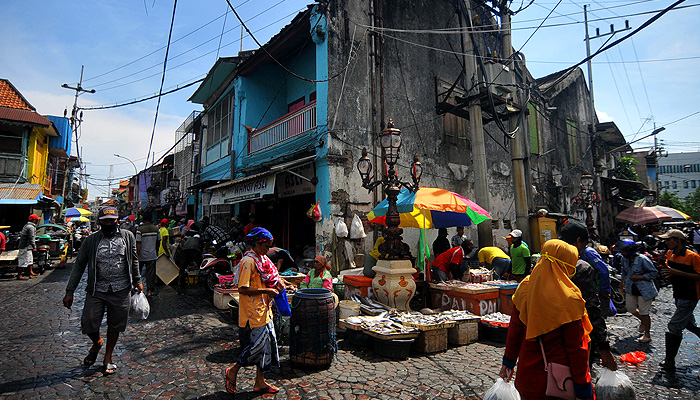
(393, 285)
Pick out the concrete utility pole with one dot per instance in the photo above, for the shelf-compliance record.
(519, 159)
(74, 124)
(591, 127)
(481, 187)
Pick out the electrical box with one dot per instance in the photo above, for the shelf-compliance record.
(542, 229)
(501, 77)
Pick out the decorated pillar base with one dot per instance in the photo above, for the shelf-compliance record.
(393, 285)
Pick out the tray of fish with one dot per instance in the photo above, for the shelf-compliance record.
(424, 322)
(386, 328)
(448, 285)
(503, 284)
(459, 316)
(496, 319)
(475, 288)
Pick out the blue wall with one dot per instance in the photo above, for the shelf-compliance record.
(220, 169)
(64, 129)
(323, 192)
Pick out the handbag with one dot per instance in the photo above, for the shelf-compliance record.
(560, 384)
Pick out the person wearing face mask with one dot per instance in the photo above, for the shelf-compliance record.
(113, 270)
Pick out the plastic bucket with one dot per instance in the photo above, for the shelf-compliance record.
(283, 304)
(348, 308)
(312, 342)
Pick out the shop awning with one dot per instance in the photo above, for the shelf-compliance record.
(205, 184)
(242, 189)
(22, 193)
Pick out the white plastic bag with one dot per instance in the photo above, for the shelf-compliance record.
(139, 306)
(357, 230)
(341, 230)
(502, 390)
(614, 385)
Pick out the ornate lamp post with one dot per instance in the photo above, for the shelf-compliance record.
(587, 199)
(393, 284)
(390, 141)
(173, 196)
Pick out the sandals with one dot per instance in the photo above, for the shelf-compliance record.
(109, 369)
(230, 385)
(92, 356)
(269, 389)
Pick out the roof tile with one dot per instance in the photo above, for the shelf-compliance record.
(11, 97)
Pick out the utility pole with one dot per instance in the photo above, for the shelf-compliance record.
(598, 170)
(481, 188)
(74, 124)
(519, 160)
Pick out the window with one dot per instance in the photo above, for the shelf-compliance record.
(218, 122)
(685, 185)
(674, 184)
(507, 225)
(495, 224)
(534, 133)
(296, 105)
(10, 144)
(453, 126)
(572, 133)
(692, 185)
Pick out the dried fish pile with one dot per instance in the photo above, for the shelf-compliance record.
(380, 325)
(418, 319)
(496, 317)
(458, 315)
(501, 282)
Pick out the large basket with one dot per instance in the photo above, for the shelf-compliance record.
(312, 341)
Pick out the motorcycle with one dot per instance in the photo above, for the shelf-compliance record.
(41, 256)
(616, 294)
(220, 264)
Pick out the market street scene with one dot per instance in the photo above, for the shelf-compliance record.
(350, 199)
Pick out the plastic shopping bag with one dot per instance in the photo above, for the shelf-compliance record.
(502, 390)
(634, 357)
(139, 306)
(341, 230)
(357, 230)
(614, 385)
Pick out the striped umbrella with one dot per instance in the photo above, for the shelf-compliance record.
(76, 212)
(676, 214)
(642, 215)
(431, 208)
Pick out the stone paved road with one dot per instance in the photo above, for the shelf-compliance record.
(180, 351)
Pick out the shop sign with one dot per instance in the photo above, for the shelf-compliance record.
(249, 190)
(291, 184)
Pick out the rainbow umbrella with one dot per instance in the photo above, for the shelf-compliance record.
(77, 219)
(76, 212)
(431, 208)
(676, 214)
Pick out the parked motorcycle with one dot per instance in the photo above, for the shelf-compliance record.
(41, 256)
(220, 264)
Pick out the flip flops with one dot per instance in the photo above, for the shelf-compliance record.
(110, 369)
(90, 359)
(230, 385)
(268, 389)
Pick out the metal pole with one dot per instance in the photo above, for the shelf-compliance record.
(588, 55)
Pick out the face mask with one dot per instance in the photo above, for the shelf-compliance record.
(108, 230)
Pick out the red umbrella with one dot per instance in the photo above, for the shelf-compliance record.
(642, 215)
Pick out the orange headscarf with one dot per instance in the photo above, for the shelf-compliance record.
(547, 299)
(323, 261)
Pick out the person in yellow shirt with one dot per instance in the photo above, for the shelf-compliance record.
(494, 258)
(164, 246)
(257, 332)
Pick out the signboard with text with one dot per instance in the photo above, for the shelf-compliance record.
(249, 190)
(291, 184)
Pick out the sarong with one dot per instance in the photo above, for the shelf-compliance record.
(259, 347)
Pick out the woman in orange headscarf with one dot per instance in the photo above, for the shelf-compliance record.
(319, 277)
(548, 315)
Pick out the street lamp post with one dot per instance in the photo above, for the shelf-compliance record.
(587, 199)
(173, 196)
(136, 173)
(390, 141)
(394, 269)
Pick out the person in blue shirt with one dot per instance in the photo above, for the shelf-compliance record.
(638, 273)
(591, 256)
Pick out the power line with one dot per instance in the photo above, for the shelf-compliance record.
(104, 107)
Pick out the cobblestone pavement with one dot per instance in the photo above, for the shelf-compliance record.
(181, 350)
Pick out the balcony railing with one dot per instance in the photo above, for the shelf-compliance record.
(285, 128)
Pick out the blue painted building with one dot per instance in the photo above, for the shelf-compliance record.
(262, 149)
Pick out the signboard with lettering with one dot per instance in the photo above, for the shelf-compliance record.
(249, 190)
(291, 184)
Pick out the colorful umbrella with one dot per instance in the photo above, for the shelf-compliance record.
(431, 208)
(76, 212)
(77, 219)
(676, 214)
(642, 215)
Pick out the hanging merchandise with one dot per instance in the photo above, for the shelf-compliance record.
(315, 212)
(357, 230)
(341, 230)
(350, 254)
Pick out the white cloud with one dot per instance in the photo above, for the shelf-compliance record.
(603, 116)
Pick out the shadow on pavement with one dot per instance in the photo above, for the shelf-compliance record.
(685, 377)
(38, 381)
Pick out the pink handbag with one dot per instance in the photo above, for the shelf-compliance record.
(560, 384)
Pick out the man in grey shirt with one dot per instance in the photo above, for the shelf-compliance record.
(27, 245)
(110, 257)
(147, 243)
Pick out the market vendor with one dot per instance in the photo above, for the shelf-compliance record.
(448, 265)
(319, 277)
(494, 258)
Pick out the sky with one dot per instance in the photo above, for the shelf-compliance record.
(648, 80)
